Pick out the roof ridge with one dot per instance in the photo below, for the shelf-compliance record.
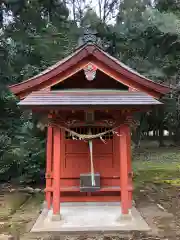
(78, 57)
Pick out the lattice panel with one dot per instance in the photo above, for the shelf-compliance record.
(94, 130)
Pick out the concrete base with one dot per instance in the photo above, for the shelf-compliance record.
(90, 217)
(57, 217)
(125, 217)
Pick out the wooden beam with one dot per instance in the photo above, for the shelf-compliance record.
(56, 170)
(123, 132)
(130, 174)
(77, 189)
(49, 165)
(90, 199)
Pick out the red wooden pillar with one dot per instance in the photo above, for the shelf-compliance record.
(129, 165)
(49, 150)
(56, 170)
(123, 131)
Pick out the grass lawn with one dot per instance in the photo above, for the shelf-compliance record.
(156, 165)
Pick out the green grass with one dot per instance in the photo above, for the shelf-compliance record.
(10, 202)
(156, 165)
(25, 214)
(17, 211)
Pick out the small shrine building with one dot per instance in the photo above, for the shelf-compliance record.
(89, 99)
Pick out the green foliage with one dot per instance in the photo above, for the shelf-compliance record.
(37, 34)
(23, 155)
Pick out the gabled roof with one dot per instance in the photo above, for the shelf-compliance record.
(76, 61)
(87, 98)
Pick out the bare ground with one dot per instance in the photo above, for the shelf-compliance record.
(159, 205)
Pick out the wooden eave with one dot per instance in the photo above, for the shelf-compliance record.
(76, 61)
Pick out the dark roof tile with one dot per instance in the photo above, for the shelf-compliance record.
(87, 98)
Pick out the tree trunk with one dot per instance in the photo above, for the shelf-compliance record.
(138, 137)
(161, 135)
(176, 136)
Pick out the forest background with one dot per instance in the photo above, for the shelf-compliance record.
(34, 34)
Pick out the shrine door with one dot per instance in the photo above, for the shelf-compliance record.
(76, 158)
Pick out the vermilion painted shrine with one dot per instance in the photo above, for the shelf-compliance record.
(89, 98)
